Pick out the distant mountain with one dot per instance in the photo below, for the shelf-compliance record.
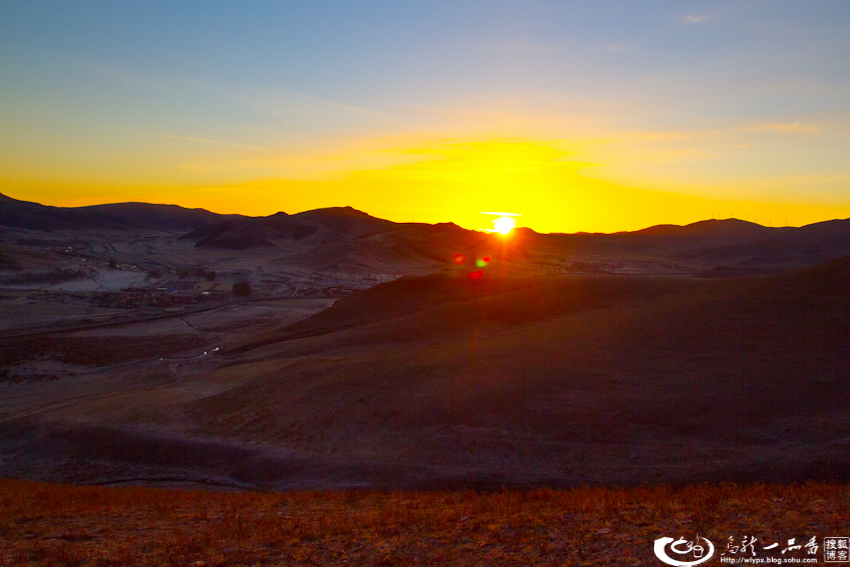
(249, 232)
(118, 216)
(325, 226)
(348, 221)
(729, 242)
(164, 217)
(344, 236)
(728, 228)
(804, 246)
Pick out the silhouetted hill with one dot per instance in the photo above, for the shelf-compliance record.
(162, 217)
(839, 229)
(726, 228)
(249, 232)
(715, 243)
(345, 238)
(348, 221)
(804, 246)
(327, 225)
(118, 216)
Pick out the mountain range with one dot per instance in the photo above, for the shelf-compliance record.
(728, 247)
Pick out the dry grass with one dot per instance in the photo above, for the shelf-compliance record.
(85, 351)
(42, 524)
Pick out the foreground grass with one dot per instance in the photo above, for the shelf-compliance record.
(43, 524)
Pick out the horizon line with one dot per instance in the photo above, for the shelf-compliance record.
(732, 218)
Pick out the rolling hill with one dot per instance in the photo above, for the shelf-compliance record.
(119, 216)
(441, 380)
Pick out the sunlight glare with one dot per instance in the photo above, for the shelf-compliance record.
(503, 225)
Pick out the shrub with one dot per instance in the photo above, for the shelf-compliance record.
(241, 289)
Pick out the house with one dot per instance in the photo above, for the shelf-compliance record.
(213, 290)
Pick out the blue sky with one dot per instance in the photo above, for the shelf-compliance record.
(722, 101)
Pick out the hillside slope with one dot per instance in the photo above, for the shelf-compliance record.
(599, 379)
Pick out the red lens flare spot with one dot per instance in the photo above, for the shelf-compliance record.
(476, 275)
(459, 259)
(486, 258)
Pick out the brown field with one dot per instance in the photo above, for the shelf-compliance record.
(46, 524)
(439, 381)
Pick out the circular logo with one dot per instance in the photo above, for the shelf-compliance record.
(683, 547)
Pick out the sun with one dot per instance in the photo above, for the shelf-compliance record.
(503, 225)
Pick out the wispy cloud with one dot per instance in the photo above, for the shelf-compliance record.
(118, 75)
(278, 102)
(695, 18)
(283, 103)
(674, 136)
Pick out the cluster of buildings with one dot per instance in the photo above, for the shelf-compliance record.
(163, 295)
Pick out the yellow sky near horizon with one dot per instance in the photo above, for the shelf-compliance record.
(556, 185)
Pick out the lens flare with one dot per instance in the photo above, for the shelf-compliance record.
(459, 259)
(476, 275)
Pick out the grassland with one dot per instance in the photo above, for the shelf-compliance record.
(45, 524)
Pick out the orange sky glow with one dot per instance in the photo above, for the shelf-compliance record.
(597, 117)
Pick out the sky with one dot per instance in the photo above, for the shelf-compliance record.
(579, 115)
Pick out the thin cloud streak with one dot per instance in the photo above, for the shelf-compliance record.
(696, 19)
(277, 102)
